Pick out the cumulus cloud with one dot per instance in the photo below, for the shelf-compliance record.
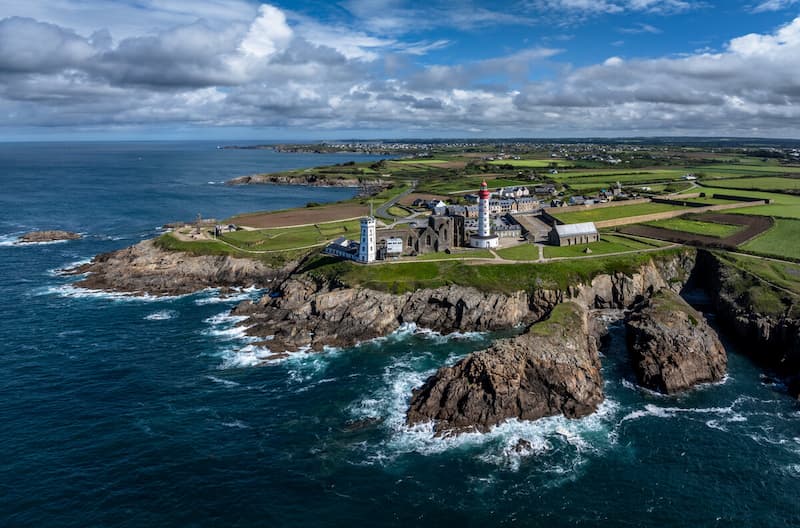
(279, 69)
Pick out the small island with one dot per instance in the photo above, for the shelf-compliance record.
(39, 237)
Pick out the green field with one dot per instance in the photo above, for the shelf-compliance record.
(458, 254)
(783, 240)
(770, 183)
(507, 278)
(521, 252)
(531, 163)
(611, 213)
(783, 274)
(783, 205)
(213, 247)
(423, 161)
(748, 168)
(291, 237)
(607, 244)
(698, 227)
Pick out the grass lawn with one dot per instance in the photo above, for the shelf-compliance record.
(610, 213)
(783, 240)
(398, 211)
(524, 251)
(770, 183)
(291, 237)
(697, 227)
(783, 274)
(455, 255)
(507, 278)
(784, 205)
(212, 247)
(607, 244)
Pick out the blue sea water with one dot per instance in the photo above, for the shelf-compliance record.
(155, 412)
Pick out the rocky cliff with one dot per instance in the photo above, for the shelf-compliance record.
(672, 346)
(308, 312)
(553, 368)
(764, 319)
(315, 314)
(147, 269)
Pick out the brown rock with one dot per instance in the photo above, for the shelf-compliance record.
(553, 368)
(47, 236)
(673, 347)
(146, 268)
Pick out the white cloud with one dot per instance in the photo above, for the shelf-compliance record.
(774, 5)
(283, 70)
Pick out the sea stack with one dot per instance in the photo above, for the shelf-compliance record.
(672, 347)
(553, 368)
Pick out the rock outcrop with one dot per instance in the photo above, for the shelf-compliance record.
(553, 368)
(304, 312)
(672, 347)
(146, 268)
(35, 237)
(310, 314)
(764, 319)
(310, 180)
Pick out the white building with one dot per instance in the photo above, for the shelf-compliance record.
(484, 238)
(366, 248)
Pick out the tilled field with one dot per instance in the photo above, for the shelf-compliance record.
(753, 226)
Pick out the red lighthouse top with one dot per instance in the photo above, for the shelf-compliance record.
(484, 193)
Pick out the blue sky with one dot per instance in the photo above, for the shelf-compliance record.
(236, 69)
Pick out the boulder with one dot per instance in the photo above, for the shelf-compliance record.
(672, 347)
(551, 369)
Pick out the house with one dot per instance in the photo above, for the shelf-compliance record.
(574, 234)
(547, 188)
(343, 248)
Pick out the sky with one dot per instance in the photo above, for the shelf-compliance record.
(313, 70)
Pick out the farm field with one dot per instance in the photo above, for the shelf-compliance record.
(688, 225)
(748, 168)
(532, 163)
(783, 240)
(781, 205)
(607, 244)
(611, 213)
(770, 183)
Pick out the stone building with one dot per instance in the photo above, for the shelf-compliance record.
(574, 234)
(440, 233)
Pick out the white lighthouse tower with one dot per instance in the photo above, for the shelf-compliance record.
(366, 249)
(484, 238)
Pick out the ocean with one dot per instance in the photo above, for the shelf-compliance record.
(120, 411)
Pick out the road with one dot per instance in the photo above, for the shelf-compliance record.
(383, 210)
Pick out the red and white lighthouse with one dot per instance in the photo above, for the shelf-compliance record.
(484, 238)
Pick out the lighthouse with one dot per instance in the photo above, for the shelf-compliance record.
(366, 249)
(484, 238)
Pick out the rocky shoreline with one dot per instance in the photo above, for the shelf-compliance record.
(147, 269)
(310, 180)
(552, 367)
